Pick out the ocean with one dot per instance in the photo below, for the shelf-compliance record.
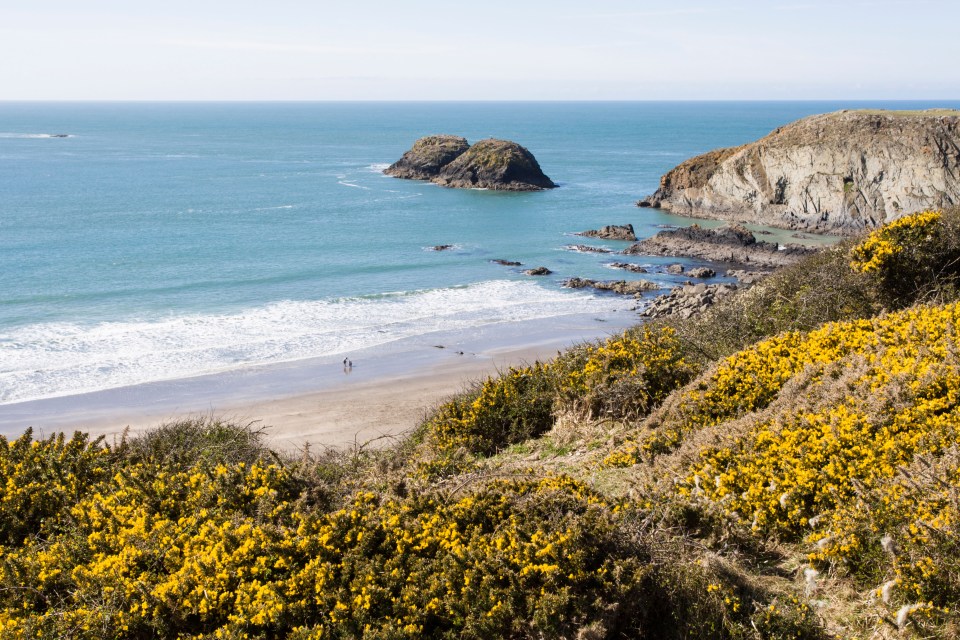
(163, 241)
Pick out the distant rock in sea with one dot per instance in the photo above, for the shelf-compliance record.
(427, 157)
(450, 161)
(612, 232)
(838, 172)
(538, 271)
(586, 248)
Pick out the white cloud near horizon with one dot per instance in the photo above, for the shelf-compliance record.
(500, 50)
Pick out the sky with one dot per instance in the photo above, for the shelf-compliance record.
(486, 50)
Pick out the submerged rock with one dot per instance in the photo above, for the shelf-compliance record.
(507, 263)
(585, 248)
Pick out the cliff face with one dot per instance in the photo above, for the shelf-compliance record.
(838, 172)
(489, 164)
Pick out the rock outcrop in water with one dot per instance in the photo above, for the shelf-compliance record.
(612, 232)
(450, 161)
(838, 172)
(427, 157)
(732, 243)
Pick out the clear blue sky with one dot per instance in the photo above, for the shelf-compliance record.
(486, 50)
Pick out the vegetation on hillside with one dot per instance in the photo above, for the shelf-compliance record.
(786, 465)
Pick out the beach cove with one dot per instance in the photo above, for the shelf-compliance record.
(222, 259)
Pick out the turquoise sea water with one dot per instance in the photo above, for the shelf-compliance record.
(162, 241)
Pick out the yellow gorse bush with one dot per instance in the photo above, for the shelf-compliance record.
(877, 251)
(229, 550)
(623, 377)
(803, 461)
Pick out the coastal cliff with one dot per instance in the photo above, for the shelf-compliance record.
(839, 172)
(450, 161)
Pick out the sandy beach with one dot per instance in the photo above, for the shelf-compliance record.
(385, 394)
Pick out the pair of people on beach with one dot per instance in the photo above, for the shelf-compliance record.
(347, 364)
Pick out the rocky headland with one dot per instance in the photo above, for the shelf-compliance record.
(450, 161)
(839, 173)
(730, 244)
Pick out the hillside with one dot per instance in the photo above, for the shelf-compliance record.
(839, 172)
(784, 465)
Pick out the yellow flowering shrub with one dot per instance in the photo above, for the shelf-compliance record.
(879, 250)
(916, 257)
(40, 479)
(511, 408)
(625, 376)
(622, 377)
(221, 551)
(804, 460)
(902, 535)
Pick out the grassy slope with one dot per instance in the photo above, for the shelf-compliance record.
(750, 473)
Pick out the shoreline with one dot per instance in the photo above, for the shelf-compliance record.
(388, 391)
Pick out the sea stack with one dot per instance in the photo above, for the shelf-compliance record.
(839, 172)
(450, 161)
(427, 157)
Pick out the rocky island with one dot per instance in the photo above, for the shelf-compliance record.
(839, 172)
(450, 161)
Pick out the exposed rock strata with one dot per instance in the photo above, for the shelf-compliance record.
(727, 244)
(687, 300)
(450, 161)
(612, 232)
(838, 172)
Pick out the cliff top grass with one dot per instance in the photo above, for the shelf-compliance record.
(908, 113)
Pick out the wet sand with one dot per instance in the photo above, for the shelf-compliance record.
(385, 394)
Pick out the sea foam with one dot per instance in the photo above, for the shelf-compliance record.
(58, 359)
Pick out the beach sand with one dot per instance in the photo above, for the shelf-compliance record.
(385, 395)
(355, 412)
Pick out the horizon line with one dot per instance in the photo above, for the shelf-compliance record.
(459, 100)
